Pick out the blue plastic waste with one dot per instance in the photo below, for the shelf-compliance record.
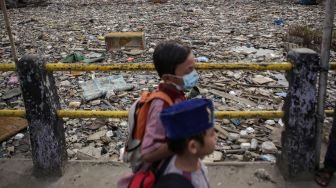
(236, 122)
(279, 22)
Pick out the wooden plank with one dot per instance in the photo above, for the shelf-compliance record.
(222, 131)
(9, 126)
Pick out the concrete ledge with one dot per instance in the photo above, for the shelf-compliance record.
(100, 174)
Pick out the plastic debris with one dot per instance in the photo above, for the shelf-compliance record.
(249, 130)
(253, 52)
(134, 52)
(233, 136)
(281, 123)
(74, 104)
(18, 136)
(279, 22)
(121, 151)
(194, 92)
(101, 37)
(202, 59)
(232, 93)
(243, 133)
(267, 157)
(245, 146)
(268, 147)
(78, 57)
(109, 133)
(270, 122)
(11, 93)
(13, 80)
(99, 122)
(254, 144)
(259, 79)
(98, 87)
(130, 59)
(213, 157)
(97, 135)
(281, 94)
(236, 122)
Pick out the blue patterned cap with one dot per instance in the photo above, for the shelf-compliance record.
(188, 118)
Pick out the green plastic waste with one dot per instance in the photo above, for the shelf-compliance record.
(78, 57)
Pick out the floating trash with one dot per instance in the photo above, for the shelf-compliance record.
(202, 59)
(98, 87)
(279, 22)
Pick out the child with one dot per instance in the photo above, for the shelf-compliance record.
(175, 65)
(190, 136)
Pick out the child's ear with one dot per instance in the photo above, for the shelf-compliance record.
(166, 77)
(193, 146)
(170, 78)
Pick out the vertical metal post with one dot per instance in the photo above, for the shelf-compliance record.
(324, 64)
(9, 31)
(297, 160)
(45, 128)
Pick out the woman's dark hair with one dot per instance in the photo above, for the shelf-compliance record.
(179, 146)
(168, 55)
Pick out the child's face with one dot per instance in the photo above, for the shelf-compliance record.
(186, 67)
(210, 140)
(182, 69)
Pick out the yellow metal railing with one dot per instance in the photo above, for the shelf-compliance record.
(123, 114)
(150, 66)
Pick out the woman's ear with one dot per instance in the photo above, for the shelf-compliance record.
(192, 146)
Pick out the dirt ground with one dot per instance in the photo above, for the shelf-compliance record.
(87, 174)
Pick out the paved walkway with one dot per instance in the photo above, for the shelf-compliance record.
(93, 174)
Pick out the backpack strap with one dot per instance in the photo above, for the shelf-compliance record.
(160, 95)
(143, 108)
(160, 166)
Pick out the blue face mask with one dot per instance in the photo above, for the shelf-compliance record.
(190, 80)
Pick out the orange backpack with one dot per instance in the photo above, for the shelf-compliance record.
(137, 120)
